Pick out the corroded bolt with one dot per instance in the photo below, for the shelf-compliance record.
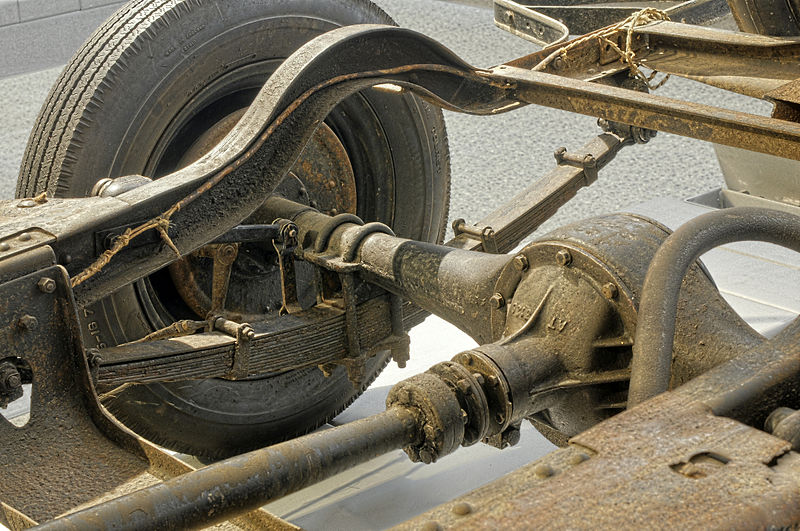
(497, 301)
(464, 386)
(46, 285)
(543, 471)
(13, 380)
(521, 262)
(494, 381)
(563, 257)
(94, 357)
(478, 377)
(511, 436)
(462, 508)
(426, 456)
(610, 291)
(28, 322)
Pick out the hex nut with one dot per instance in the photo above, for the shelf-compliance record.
(610, 291)
(521, 262)
(46, 285)
(563, 257)
(497, 301)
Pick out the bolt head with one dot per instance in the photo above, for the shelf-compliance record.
(13, 380)
(497, 301)
(521, 262)
(46, 285)
(610, 291)
(426, 456)
(511, 436)
(563, 257)
(28, 322)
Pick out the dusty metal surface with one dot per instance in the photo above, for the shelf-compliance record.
(51, 464)
(652, 354)
(70, 453)
(219, 491)
(556, 321)
(665, 465)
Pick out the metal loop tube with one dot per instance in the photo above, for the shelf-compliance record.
(655, 331)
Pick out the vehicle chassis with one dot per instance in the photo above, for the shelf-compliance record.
(696, 453)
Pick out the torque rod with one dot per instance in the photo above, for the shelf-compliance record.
(240, 484)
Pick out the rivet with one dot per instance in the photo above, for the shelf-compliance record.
(563, 257)
(610, 291)
(462, 508)
(4, 247)
(497, 301)
(431, 526)
(24, 237)
(521, 262)
(543, 471)
(26, 203)
(578, 458)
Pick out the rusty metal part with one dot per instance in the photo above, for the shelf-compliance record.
(652, 353)
(784, 423)
(675, 458)
(326, 172)
(306, 340)
(177, 329)
(549, 22)
(70, 448)
(303, 100)
(669, 462)
(250, 480)
(10, 383)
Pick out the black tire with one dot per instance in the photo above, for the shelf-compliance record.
(779, 18)
(120, 107)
